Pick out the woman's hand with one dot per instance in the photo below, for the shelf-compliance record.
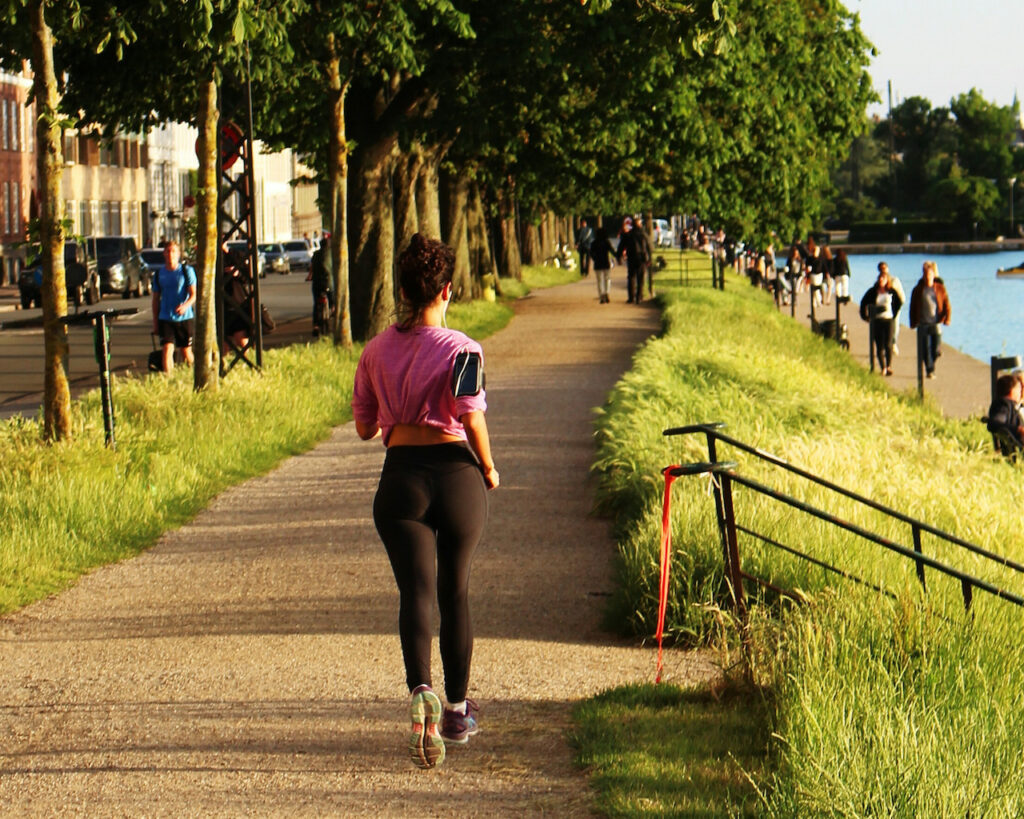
(491, 477)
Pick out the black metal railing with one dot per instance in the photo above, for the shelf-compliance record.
(727, 476)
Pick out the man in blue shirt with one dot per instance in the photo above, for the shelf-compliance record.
(174, 295)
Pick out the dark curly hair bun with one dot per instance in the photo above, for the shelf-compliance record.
(424, 268)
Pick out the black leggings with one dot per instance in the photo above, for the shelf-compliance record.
(431, 500)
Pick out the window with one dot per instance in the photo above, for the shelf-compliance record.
(115, 219)
(15, 125)
(6, 203)
(88, 218)
(3, 124)
(70, 149)
(15, 208)
(71, 214)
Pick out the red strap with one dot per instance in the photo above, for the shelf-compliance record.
(666, 548)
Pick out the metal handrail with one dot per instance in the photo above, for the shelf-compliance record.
(728, 526)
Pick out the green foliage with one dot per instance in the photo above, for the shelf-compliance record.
(947, 164)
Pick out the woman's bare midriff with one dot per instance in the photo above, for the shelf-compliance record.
(419, 435)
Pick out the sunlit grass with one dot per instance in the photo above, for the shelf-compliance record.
(901, 708)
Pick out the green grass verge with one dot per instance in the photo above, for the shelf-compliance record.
(900, 708)
(71, 507)
(667, 751)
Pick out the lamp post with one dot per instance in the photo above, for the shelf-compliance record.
(1013, 181)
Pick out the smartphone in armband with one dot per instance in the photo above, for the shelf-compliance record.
(468, 374)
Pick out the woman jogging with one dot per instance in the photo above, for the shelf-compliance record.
(419, 386)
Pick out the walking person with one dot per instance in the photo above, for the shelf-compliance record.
(174, 297)
(584, 240)
(631, 245)
(419, 387)
(601, 251)
(880, 305)
(929, 310)
(841, 275)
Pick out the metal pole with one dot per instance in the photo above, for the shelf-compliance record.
(838, 334)
(871, 340)
(917, 548)
(1013, 181)
(733, 563)
(922, 341)
(101, 343)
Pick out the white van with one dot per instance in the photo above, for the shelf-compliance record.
(661, 232)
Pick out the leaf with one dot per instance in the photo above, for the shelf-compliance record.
(238, 28)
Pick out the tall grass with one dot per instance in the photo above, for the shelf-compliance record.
(873, 698)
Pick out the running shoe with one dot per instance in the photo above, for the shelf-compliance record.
(457, 727)
(425, 745)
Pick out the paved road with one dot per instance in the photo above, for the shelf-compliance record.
(21, 350)
(249, 663)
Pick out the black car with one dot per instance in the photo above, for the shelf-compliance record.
(80, 278)
(121, 268)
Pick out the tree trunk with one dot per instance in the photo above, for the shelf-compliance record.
(481, 260)
(455, 198)
(337, 171)
(207, 354)
(427, 192)
(407, 172)
(548, 236)
(372, 236)
(511, 261)
(531, 244)
(50, 164)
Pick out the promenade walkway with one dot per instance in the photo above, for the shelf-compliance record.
(250, 665)
(961, 387)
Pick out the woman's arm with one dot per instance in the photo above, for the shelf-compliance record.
(367, 431)
(480, 443)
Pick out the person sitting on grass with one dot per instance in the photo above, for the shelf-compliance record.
(1004, 416)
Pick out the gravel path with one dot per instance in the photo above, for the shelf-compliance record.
(249, 664)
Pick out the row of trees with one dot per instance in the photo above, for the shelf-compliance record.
(948, 164)
(469, 120)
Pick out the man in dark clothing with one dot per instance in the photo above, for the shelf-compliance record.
(1004, 416)
(584, 239)
(632, 245)
(648, 254)
(320, 276)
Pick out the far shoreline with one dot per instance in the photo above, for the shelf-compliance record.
(878, 248)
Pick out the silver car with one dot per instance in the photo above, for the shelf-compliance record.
(299, 256)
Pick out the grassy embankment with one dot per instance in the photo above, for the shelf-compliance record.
(862, 705)
(71, 507)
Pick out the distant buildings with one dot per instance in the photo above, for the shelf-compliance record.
(17, 171)
(137, 185)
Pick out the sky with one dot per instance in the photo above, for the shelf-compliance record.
(937, 49)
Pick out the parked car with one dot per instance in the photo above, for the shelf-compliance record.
(121, 268)
(80, 278)
(662, 233)
(243, 248)
(299, 256)
(277, 261)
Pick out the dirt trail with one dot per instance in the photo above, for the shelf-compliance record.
(249, 664)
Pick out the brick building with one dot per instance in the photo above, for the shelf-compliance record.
(17, 171)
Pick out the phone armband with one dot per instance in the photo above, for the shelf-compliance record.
(468, 374)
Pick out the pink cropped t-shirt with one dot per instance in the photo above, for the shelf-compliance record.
(405, 377)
